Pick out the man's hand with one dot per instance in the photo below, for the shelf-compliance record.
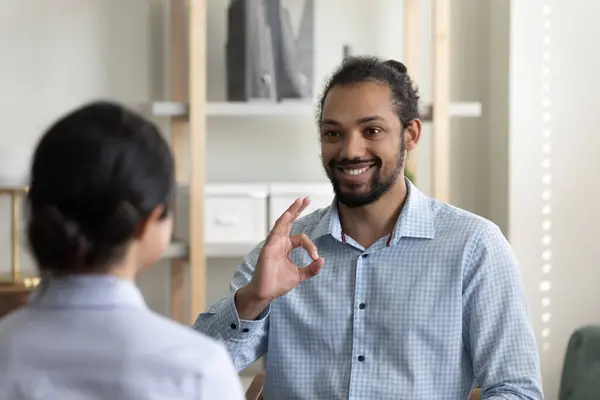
(275, 273)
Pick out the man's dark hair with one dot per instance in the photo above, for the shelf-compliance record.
(97, 173)
(354, 70)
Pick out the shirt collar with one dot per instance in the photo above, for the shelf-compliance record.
(416, 219)
(86, 291)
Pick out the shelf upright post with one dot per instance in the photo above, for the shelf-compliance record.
(441, 100)
(197, 147)
(178, 87)
(412, 44)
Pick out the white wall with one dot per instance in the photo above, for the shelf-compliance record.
(496, 111)
(57, 54)
(568, 140)
(470, 137)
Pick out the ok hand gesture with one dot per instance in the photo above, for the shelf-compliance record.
(275, 273)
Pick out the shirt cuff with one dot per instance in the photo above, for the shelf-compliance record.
(241, 329)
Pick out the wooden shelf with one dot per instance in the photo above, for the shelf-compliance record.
(177, 249)
(13, 189)
(291, 108)
(239, 109)
(471, 109)
(224, 250)
(455, 110)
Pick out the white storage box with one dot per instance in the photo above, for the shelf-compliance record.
(282, 195)
(15, 164)
(235, 218)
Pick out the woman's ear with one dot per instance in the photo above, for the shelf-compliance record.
(152, 219)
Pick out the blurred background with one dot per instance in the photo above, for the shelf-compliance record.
(528, 160)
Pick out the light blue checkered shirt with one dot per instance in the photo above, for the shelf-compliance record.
(438, 311)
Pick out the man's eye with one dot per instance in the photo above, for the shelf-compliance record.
(331, 134)
(372, 131)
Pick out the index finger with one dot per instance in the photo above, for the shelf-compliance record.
(283, 225)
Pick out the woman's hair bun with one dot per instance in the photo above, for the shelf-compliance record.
(396, 65)
(56, 241)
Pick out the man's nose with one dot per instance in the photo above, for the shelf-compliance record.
(354, 146)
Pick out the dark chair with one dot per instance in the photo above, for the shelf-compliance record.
(581, 368)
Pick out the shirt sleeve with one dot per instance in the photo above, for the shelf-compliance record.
(221, 381)
(245, 340)
(498, 332)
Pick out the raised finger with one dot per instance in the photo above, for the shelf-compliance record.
(283, 225)
(296, 209)
(304, 241)
(305, 203)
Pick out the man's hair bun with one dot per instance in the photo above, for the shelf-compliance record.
(396, 65)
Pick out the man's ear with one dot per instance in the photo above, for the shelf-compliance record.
(412, 134)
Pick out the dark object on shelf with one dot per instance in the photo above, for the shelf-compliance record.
(250, 68)
(306, 46)
(346, 50)
(264, 59)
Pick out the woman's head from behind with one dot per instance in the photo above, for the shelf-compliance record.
(100, 193)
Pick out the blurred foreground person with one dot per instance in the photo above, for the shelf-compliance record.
(99, 213)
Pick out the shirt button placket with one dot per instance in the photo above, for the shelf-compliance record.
(358, 356)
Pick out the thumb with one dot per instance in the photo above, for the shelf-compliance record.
(311, 269)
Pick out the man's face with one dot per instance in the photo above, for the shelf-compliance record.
(362, 142)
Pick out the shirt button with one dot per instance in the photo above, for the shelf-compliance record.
(362, 306)
(245, 330)
(365, 256)
(233, 326)
(361, 358)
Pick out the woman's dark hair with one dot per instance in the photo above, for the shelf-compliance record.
(97, 173)
(354, 70)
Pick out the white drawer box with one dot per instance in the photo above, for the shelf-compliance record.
(235, 213)
(235, 218)
(282, 195)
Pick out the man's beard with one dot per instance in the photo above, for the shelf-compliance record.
(377, 187)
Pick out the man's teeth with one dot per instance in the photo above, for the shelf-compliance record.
(355, 171)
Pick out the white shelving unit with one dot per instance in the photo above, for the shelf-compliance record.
(175, 109)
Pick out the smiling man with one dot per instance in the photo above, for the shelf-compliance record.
(387, 293)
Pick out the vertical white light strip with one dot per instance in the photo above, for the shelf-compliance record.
(546, 168)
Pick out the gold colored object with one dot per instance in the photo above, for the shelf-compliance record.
(31, 283)
(28, 282)
(16, 194)
(15, 222)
